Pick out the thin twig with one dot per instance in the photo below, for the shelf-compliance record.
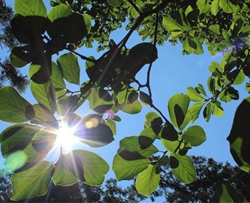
(81, 56)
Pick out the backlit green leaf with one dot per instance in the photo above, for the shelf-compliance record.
(13, 107)
(70, 67)
(57, 78)
(177, 108)
(60, 11)
(215, 7)
(148, 180)
(195, 135)
(215, 28)
(171, 25)
(44, 94)
(100, 100)
(194, 111)
(85, 165)
(30, 8)
(44, 140)
(25, 184)
(132, 144)
(208, 111)
(194, 95)
(182, 168)
(115, 2)
(127, 170)
(17, 137)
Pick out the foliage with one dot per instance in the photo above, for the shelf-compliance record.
(221, 25)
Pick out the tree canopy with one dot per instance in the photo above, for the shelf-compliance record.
(221, 26)
(7, 40)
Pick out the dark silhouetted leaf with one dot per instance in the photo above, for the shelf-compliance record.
(239, 135)
(130, 156)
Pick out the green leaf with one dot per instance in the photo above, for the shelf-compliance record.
(215, 7)
(60, 11)
(194, 95)
(57, 78)
(132, 108)
(30, 8)
(203, 6)
(208, 111)
(215, 28)
(153, 120)
(200, 90)
(147, 137)
(171, 25)
(17, 137)
(115, 2)
(100, 100)
(63, 176)
(70, 67)
(171, 139)
(32, 182)
(43, 115)
(132, 144)
(13, 107)
(228, 7)
(85, 165)
(194, 111)
(127, 170)
(182, 168)
(44, 94)
(148, 180)
(239, 135)
(224, 192)
(240, 78)
(195, 135)
(44, 140)
(218, 110)
(177, 108)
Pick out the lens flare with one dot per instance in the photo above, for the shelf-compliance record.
(65, 137)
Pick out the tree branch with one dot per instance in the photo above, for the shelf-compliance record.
(81, 56)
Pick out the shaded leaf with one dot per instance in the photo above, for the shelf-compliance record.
(239, 135)
(224, 192)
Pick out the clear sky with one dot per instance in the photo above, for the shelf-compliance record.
(172, 73)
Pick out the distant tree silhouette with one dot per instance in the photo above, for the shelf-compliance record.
(201, 190)
(9, 73)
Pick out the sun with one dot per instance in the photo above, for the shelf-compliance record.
(65, 137)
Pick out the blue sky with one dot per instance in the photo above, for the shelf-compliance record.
(172, 73)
